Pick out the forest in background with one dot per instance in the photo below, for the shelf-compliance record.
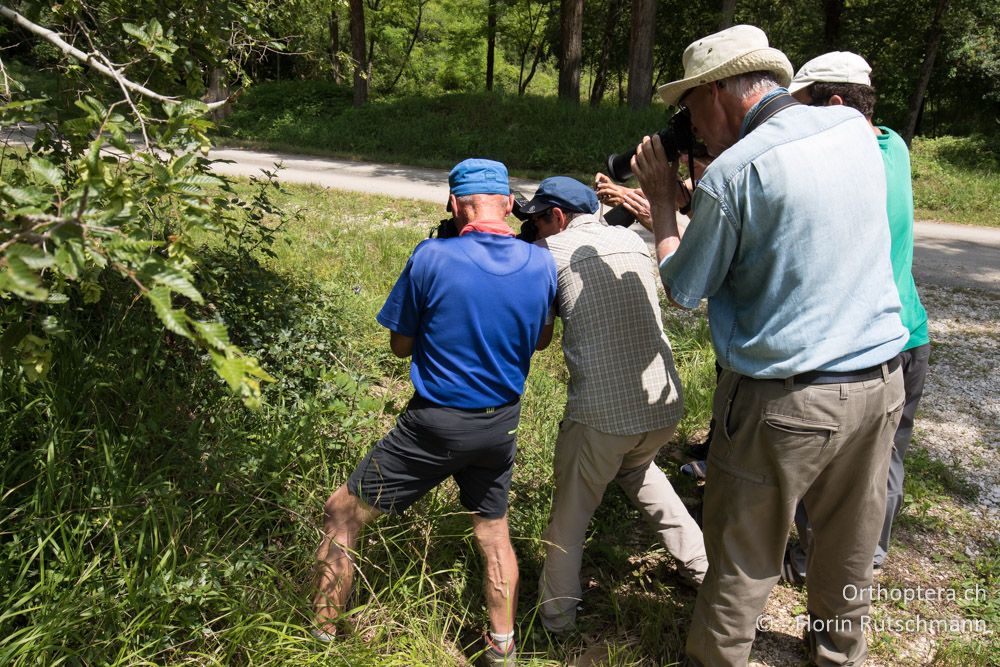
(936, 63)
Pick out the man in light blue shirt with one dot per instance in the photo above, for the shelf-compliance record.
(789, 243)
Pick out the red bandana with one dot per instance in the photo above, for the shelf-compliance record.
(487, 227)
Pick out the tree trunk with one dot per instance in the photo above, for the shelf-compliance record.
(621, 90)
(571, 42)
(491, 41)
(600, 83)
(334, 46)
(528, 45)
(539, 54)
(359, 52)
(728, 12)
(933, 43)
(218, 90)
(640, 53)
(832, 12)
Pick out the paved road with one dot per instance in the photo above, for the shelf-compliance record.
(944, 254)
(949, 255)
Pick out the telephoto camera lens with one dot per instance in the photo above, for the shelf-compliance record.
(677, 137)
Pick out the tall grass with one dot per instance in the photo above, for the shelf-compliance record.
(957, 179)
(534, 135)
(148, 517)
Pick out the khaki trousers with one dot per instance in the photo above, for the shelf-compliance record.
(776, 443)
(586, 460)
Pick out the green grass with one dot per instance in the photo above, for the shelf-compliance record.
(955, 179)
(927, 484)
(148, 517)
(533, 135)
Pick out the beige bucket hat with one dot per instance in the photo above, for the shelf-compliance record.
(737, 50)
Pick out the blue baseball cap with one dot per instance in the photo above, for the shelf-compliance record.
(477, 176)
(567, 193)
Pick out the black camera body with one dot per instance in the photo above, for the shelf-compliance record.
(677, 137)
(446, 229)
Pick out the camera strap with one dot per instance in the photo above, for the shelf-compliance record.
(772, 106)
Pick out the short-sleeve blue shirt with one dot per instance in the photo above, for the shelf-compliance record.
(789, 242)
(475, 305)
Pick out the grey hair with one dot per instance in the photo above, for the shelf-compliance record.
(474, 200)
(749, 84)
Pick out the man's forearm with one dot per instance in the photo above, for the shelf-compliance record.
(666, 233)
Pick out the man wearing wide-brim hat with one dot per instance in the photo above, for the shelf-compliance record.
(789, 243)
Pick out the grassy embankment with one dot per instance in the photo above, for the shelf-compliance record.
(955, 179)
(149, 518)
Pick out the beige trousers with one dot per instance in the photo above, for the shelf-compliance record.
(774, 444)
(586, 461)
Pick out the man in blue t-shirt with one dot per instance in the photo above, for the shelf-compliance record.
(470, 310)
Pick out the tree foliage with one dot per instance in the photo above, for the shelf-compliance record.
(101, 184)
(429, 46)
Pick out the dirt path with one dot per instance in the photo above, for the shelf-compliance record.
(944, 254)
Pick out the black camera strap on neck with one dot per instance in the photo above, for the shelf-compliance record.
(768, 109)
(761, 114)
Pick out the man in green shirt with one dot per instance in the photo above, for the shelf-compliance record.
(836, 78)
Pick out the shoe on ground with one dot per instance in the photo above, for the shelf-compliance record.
(492, 656)
(790, 574)
(697, 470)
(325, 637)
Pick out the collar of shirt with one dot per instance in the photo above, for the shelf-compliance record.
(498, 227)
(585, 219)
(747, 119)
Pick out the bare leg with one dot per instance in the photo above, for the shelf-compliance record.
(500, 582)
(344, 516)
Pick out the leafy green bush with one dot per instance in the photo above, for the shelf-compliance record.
(148, 514)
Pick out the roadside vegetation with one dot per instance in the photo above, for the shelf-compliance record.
(956, 179)
(149, 516)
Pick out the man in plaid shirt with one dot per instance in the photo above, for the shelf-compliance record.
(624, 399)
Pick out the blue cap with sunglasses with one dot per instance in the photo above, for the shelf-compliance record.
(563, 192)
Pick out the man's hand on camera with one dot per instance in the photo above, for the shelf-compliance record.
(657, 175)
(636, 204)
(658, 179)
(608, 192)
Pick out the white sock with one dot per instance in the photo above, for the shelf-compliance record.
(323, 636)
(503, 642)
